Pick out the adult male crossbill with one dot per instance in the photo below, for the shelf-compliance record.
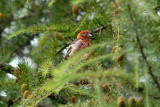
(81, 42)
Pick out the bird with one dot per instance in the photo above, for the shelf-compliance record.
(82, 41)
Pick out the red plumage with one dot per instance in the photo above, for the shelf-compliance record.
(81, 42)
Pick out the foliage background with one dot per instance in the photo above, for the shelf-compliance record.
(132, 70)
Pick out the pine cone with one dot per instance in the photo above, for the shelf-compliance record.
(26, 93)
(120, 102)
(132, 102)
(75, 10)
(23, 87)
(73, 99)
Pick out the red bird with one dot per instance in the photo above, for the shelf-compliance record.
(81, 42)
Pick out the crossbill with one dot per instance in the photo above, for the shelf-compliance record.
(82, 41)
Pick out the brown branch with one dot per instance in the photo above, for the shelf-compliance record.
(156, 98)
(99, 29)
(142, 51)
(94, 31)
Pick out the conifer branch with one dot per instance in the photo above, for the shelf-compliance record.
(19, 48)
(141, 49)
(6, 68)
(7, 20)
(94, 31)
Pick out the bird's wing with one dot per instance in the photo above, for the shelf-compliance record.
(73, 47)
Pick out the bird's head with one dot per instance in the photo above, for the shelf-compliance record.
(85, 34)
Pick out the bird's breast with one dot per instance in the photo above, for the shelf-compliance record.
(86, 43)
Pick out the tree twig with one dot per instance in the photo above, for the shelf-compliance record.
(156, 98)
(99, 29)
(141, 49)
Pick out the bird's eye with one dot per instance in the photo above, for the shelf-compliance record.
(82, 35)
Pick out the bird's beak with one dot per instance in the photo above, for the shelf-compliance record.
(90, 35)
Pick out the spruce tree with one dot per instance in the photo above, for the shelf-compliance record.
(120, 68)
